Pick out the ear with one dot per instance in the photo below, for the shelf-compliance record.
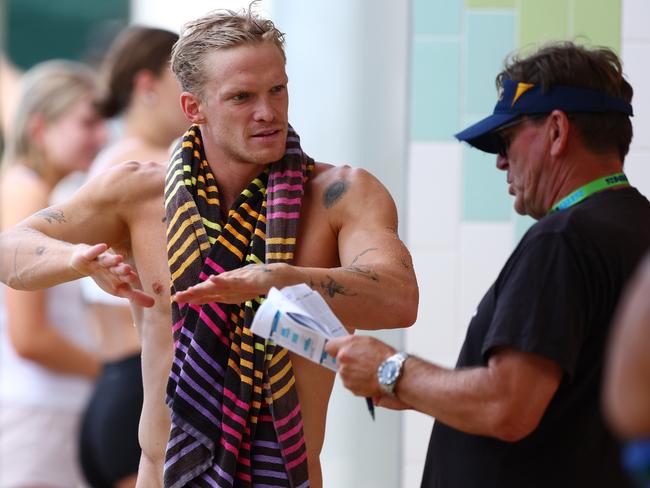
(559, 127)
(36, 128)
(144, 81)
(192, 107)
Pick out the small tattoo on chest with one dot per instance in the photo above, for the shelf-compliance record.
(40, 250)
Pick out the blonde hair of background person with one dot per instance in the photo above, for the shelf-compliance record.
(45, 365)
(141, 92)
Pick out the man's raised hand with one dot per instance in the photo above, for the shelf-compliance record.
(110, 272)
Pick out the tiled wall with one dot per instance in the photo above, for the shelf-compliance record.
(461, 227)
(635, 50)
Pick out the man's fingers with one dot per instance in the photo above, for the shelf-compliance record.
(137, 297)
(334, 345)
(123, 271)
(140, 298)
(109, 260)
(93, 252)
(185, 297)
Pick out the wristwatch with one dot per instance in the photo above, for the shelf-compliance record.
(389, 372)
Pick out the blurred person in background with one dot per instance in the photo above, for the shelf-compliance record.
(46, 367)
(627, 378)
(140, 89)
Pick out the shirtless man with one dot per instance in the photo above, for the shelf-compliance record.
(347, 244)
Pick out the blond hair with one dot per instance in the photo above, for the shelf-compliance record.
(48, 90)
(220, 29)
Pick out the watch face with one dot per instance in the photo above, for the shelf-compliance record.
(388, 373)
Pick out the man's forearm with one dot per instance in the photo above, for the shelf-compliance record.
(30, 260)
(366, 296)
(463, 399)
(505, 399)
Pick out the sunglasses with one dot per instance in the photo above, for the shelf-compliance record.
(502, 143)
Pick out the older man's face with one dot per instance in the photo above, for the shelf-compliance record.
(523, 157)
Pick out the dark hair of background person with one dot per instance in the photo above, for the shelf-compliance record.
(135, 49)
(571, 64)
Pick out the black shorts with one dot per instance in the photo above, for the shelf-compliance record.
(109, 447)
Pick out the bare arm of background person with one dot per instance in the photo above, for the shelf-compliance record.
(627, 377)
(29, 329)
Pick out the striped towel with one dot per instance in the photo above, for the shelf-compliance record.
(236, 418)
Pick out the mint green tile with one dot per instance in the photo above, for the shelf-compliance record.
(599, 21)
(491, 3)
(435, 90)
(521, 225)
(542, 20)
(485, 192)
(437, 16)
(490, 38)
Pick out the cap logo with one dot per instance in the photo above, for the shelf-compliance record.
(521, 89)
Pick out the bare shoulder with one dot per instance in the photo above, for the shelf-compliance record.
(349, 188)
(21, 194)
(129, 150)
(129, 182)
(22, 181)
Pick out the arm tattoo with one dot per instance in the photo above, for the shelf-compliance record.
(364, 271)
(354, 261)
(405, 262)
(40, 250)
(52, 215)
(333, 288)
(334, 192)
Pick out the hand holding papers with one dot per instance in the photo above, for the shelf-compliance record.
(297, 318)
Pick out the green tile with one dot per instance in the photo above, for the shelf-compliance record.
(490, 38)
(491, 3)
(438, 17)
(435, 90)
(599, 21)
(541, 21)
(485, 192)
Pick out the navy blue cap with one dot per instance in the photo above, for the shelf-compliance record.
(518, 98)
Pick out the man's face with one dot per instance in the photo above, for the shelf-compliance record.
(244, 105)
(524, 159)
